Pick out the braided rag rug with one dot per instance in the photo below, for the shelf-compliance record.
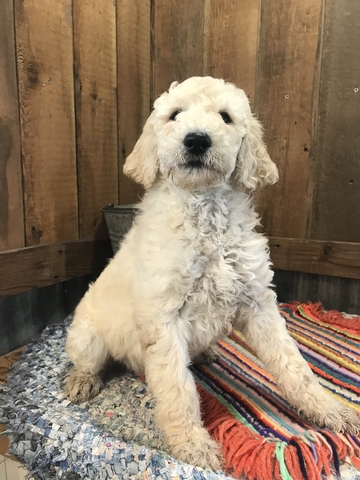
(114, 436)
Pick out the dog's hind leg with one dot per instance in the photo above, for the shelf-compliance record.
(86, 349)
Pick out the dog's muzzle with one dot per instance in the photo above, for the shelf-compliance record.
(196, 144)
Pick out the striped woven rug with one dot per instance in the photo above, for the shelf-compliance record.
(243, 409)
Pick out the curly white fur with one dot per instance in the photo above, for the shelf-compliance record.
(191, 268)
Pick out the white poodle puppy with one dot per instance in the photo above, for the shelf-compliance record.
(193, 267)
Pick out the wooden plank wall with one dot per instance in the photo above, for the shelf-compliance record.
(336, 185)
(11, 198)
(299, 66)
(231, 40)
(44, 45)
(178, 42)
(286, 67)
(76, 86)
(75, 82)
(134, 83)
(95, 111)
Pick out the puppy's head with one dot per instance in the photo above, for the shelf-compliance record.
(200, 134)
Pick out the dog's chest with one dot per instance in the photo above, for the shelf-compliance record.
(210, 269)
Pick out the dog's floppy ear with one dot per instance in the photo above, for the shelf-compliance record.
(142, 164)
(254, 166)
(173, 85)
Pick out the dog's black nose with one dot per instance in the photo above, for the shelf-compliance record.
(197, 142)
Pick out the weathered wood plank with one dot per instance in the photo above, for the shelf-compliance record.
(286, 68)
(6, 362)
(134, 82)
(43, 265)
(231, 38)
(96, 111)
(178, 42)
(4, 443)
(327, 258)
(46, 93)
(336, 199)
(11, 196)
(48, 264)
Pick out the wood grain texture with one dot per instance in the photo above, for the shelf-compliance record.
(96, 111)
(43, 265)
(231, 38)
(7, 361)
(4, 442)
(178, 42)
(53, 263)
(11, 196)
(286, 68)
(336, 197)
(134, 80)
(46, 92)
(320, 257)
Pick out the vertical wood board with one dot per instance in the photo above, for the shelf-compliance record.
(96, 111)
(11, 196)
(336, 196)
(288, 56)
(230, 45)
(178, 42)
(134, 80)
(46, 93)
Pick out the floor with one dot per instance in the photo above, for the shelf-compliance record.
(10, 469)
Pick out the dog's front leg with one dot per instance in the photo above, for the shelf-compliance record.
(177, 410)
(266, 333)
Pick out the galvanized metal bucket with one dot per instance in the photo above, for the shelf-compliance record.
(119, 219)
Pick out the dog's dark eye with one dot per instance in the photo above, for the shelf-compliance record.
(174, 115)
(226, 117)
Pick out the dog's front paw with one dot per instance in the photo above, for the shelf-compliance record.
(340, 419)
(326, 412)
(201, 451)
(80, 386)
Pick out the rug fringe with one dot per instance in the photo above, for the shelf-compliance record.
(331, 317)
(247, 453)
